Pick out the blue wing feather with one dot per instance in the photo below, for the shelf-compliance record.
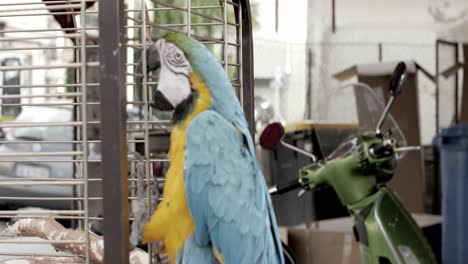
(193, 253)
(227, 194)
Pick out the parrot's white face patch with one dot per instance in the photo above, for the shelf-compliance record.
(174, 76)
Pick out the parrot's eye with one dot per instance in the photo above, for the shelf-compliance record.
(178, 57)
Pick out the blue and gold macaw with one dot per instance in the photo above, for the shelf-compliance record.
(216, 207)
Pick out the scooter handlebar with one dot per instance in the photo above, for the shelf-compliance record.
(285, 187)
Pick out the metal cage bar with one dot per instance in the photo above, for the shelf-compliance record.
(114, 148)
(247, 72)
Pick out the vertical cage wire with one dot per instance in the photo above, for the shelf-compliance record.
(84, 118)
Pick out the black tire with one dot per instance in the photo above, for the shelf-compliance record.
(289, 257)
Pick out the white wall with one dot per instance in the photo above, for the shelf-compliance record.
(282, 51)
(407, 28)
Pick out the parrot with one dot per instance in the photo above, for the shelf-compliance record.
(216, 206)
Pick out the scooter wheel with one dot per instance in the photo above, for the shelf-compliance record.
(289, 257)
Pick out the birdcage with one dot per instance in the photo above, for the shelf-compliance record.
(82, 152)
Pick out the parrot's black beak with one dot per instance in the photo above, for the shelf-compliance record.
(152, 63)
(161, 102)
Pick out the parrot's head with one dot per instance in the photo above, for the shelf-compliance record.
(189, 71)
(174, 77)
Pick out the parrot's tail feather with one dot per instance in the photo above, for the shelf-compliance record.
(193, 253)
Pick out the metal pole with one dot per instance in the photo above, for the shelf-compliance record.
(188, 5)
(147, 115)
(456, 117)
(380, 51)
(308, 105)
(225, 37)
(333, 16)
(114, 146)
(276, 16)
(437, 87)
(84, 131)
(245, 21)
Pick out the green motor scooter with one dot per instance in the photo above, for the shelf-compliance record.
(357, 171)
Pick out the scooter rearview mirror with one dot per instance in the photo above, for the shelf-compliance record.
(398, 78)
(395, 86)
(271, 135)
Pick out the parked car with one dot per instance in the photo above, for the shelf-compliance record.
(30, 141)
(35, 167)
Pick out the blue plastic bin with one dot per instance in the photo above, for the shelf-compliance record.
(453, 147)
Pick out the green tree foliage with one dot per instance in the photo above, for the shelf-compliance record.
(207, 24)
(206, 17)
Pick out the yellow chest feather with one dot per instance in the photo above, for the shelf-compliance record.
(172, 222)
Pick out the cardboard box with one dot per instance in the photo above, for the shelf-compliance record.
(315, 246)
(332, 241)
(283, 232)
